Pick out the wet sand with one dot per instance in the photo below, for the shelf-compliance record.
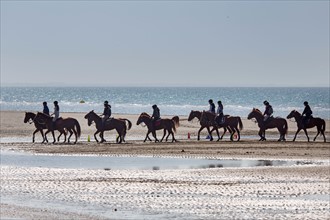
(291, 192)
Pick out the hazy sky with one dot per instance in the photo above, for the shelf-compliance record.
(165, 43)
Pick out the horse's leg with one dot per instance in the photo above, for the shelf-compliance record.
(35, 133)
(260, 133)
(296, 134)
(233, 130)
(224, 132)
(53, 137)
(305, 130)
(154, 134)
(75, 134)
(95, 135)
(46, 135)
(199, 131)
(71, 132)
(147, 136)
(216, 129)
(173, 138)
(238, 134)
(164, 136)
(208, 129)
(318, 132)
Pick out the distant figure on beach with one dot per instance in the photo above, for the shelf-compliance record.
(307, 113)
(268, 111)
(220, 112)
(46, 109)
(212, 106)
(106, 112)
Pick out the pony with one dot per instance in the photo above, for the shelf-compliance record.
(29, 117)
(318, 122)
(113, 123)
(62, 125)
(279, 123)
(168, 125)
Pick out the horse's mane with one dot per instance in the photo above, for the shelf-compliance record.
(41, 113)
(257, 110)
(145, 114)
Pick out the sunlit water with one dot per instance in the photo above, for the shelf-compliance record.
(172, 101)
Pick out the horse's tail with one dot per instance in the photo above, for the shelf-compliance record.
(240, 124)
(176, 120)
(78, 127)
(323, 126)
(129, 124)
(285, 126)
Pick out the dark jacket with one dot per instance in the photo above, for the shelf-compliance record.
(156, 114)
(107, 110)
(307, 111)
(212, 107)
(268, 110)
(46, 110)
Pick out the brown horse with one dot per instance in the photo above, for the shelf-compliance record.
(318, 122)
(62, 125)
(168, 125)
(113, 123)
(205, 123)
(232, 123)
(279, 123)
(29, 117)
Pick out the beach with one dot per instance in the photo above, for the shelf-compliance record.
(265, 192)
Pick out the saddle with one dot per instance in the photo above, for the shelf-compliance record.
(157, 122)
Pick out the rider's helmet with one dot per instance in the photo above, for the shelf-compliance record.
(106, 102)
(154, 106)
(44, 103)
(55, 103)
(266, 102)
(305, 103)
(210, 101)
(219, 102)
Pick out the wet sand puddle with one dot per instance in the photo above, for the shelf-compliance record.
(112, 162)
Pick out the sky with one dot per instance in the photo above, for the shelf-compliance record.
(165, 43)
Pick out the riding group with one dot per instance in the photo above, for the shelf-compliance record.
(211, 119)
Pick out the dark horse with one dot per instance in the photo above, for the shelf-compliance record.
(113, 123)
(279, 123)
(29, 117)
(62, 125)
(318, 122)
(232, 124)
(168, 125)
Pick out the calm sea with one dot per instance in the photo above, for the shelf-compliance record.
(171, 101)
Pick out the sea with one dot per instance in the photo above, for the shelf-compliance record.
(237, 101)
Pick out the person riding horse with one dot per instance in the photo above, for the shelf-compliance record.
(307, 114)
(220, 113)
(56, 113)
(155, 115)
(212, 106)
(46, 109)
(268, 111)
(106, 112)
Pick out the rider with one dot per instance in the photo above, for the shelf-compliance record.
(156, 113)
(220, 112)
(46, 109)
(307, 112)
(268, 111)
(212, 106)
(106, 112)
(56, 112)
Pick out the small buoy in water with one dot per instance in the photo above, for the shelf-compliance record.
(82, 101)
(88, 138)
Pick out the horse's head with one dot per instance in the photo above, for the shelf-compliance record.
(254, 113)
(293, 114)
(143, 118)
(90, 116)
(194, 114)
(29, 116)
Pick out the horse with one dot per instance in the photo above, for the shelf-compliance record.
(318, 122)
(168, 125)
(233, 123)
(29, 117)
(279, 123)
(113, 123)
(62, 125)
(205, 123)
